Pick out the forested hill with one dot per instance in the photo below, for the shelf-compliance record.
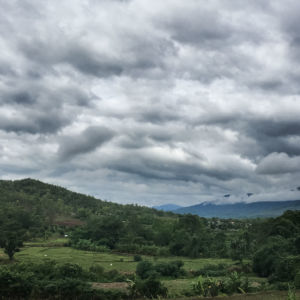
(54, 202)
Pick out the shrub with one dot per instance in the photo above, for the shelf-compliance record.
(233, 284)
(68, 288)
(113, 275)
(212, 270)
(291, 292)
(150, 288)
(173, 269)
(88, 245)
(281, 286)
(297, 280)
(137, 257)
(14, 284)
(286, 269)
(207, 287)
(264, 261)
(70, 270)
(96, 272)
(144, 269)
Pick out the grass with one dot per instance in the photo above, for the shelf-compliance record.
(39, 250)
(176, 287)
(85, 259)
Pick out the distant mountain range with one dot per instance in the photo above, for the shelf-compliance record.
(235, 210)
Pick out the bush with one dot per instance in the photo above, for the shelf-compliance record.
(48, 281)
(96, 272)
(137, 257)
(281, 286)
(233, 284)
(297, 280)
(265, 260)
(286, 269)
(14, 284)
(173, 269)
(70, 270)
(88, 245)
(210, 287)
(144, 269)
(68, 288)
(150, 288)
(207, 287)
(291, 292)
(212, 270)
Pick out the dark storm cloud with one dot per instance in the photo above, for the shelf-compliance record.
(90, 139)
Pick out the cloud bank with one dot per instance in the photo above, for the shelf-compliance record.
(152, 103)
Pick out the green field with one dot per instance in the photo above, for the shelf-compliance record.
(55, 249)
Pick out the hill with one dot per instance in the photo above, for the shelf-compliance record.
(54, 203)
(240, 210)
(54, 223)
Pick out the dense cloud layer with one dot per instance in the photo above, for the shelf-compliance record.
(152, 102)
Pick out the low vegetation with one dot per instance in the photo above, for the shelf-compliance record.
(56, 242)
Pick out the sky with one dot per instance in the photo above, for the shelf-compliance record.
(152, 102)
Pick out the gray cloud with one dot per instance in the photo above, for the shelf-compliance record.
(34, 123)
(278, 163)
(168, 102)
(87, 141)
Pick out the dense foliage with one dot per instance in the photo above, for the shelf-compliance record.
(31, 209)
(44, 281)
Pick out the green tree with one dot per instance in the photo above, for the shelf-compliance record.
(11, 244)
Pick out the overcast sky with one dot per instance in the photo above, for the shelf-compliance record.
(152, 102)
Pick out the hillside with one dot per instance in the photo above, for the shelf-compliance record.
(59, 242)
(54, 202)
(240, 210)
